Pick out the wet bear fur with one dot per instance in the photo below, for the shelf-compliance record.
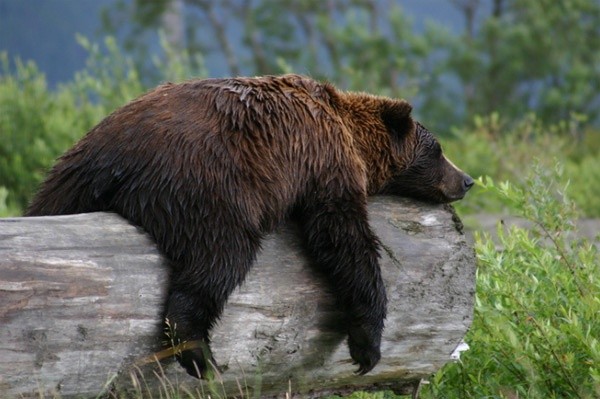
(209, 167)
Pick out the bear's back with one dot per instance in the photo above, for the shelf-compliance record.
(251, 143)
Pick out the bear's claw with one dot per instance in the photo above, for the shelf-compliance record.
(198, 363)
(364, 351)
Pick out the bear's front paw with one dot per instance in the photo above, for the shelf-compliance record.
(198, 362)
(364, 348)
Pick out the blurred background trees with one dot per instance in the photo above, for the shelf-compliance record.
(488, 70)
(509, 56)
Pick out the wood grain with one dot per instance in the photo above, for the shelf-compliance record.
(81, 301)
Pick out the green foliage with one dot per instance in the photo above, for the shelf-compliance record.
(536, 329)
(584, 176)
(36, 125)
(538, 55)
(505, 150)
(109, 79)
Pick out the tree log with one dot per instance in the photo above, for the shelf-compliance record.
(81, 302)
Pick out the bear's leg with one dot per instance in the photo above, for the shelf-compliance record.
(342, 244)
(199, 290)
(189, 321)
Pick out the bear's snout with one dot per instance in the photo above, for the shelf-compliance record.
(455, 183)
(463, 183)
(468, 182)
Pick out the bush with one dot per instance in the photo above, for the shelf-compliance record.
(584, 178)
(36, 125)
(506, 150)
(536, 330)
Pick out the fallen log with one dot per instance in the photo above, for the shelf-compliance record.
(81, 300)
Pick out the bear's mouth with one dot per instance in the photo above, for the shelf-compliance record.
(453, 198)
(439, 195)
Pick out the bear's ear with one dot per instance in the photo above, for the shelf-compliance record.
(395, 114)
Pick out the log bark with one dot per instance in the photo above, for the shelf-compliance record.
(81, 301)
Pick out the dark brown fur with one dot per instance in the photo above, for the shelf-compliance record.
(208, 167)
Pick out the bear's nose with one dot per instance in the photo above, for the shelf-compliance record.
(468, 182)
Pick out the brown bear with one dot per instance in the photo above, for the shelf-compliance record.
(209, 167)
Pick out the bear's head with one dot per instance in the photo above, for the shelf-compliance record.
(419, 168)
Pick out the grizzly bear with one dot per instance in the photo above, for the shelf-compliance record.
(209, 167)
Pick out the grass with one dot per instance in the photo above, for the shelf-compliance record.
(536, 328)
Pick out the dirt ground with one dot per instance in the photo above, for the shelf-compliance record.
(588, 228)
